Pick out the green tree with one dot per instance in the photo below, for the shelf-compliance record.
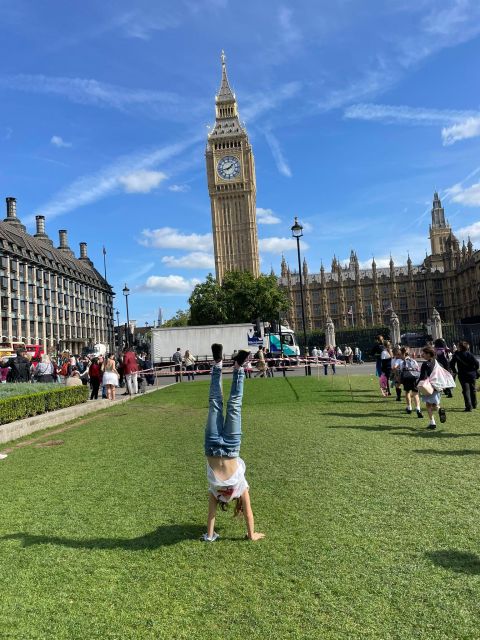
(180, 319)
(207, 303)
(240, 298)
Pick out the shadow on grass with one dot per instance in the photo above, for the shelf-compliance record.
(458, 561)
(438, 434)
(379, 427)
(453, 452)
(297, 397)
(364, 415)
(160, 537)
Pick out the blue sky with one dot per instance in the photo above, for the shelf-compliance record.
(357, 111)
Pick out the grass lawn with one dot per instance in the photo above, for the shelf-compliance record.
(372, 523)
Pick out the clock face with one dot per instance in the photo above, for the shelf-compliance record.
(228, 167)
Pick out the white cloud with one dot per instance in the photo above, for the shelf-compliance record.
(461, 124)
(266, 216)
(289, 31)
(93, 187)
(469, 196)
(403, 114)
(92, 92)
(142, 181)
(279, 245)
(469, 128)
(179, 188)
(255, 105)
(169, 284)
(59, 142)
(8, 133)
(193, 260)
(472, 231)
(169, 238)
(280, 161)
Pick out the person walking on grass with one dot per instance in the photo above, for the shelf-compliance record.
(443, 354)
(432, 400)
(386, 368)
(225, 468)
(465, 365)
(409, 375)
(376, 352)
(397, 363)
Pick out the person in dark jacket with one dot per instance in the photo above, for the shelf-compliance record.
(441, 353)
(376, 352)
(466, 366)
(20, 367)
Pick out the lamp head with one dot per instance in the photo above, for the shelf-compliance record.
(126, 290)
(297, 229)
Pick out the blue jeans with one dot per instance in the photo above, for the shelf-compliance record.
(223, 436)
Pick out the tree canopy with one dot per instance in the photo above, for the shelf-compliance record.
(240, 298)
(180, 319)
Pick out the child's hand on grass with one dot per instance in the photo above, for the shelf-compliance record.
(256, 536)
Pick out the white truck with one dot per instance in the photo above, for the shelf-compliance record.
(198, 340)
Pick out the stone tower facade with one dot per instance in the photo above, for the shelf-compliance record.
(440, 230)
(232, 187)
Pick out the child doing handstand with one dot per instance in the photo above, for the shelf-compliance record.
(225, 469)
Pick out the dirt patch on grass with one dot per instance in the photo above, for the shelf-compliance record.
(49, 443)
(54, 432)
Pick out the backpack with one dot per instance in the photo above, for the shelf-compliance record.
(64, 369)
(410, 370)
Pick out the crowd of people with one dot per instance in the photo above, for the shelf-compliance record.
(431, 380)
(103, 373)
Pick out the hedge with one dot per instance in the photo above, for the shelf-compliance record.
(32, 404)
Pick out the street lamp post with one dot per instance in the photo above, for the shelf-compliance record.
(297, 233)
(117, 313)
(126, 292)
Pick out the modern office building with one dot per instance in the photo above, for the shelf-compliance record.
(49, 296)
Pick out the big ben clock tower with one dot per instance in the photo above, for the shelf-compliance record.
(231, 186)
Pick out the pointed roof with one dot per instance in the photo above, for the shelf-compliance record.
(225, 94)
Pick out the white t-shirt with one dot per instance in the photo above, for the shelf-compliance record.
(397, 363)
(232, 487)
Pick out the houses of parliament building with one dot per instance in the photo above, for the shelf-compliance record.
(448, 279)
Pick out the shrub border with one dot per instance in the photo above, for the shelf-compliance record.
(25, 406)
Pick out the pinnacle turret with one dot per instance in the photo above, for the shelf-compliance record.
(225, 94)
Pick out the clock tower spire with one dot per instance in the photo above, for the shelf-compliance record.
(231, 187)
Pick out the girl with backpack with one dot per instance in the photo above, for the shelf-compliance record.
(409, 375)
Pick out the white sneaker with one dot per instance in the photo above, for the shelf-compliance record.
(3, 456)
(205, 537)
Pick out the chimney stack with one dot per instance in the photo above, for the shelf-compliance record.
(40, 220)
(63, 239)
(11, 207)
(12, 214)
(83, 251)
